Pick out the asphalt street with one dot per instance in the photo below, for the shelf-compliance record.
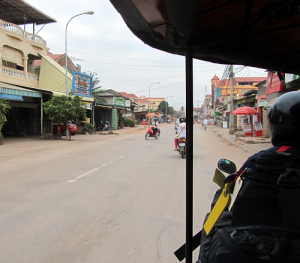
(103, 198)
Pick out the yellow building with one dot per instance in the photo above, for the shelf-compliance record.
(240, 86)
(19, 84)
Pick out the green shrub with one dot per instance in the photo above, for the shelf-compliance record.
(88, 127)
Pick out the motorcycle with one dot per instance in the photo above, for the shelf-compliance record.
(182, 147)
(100, 126)
(150, 133)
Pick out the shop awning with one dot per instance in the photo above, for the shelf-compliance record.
(216, 114)
(112, 106)
(9, 89)
(11, 97)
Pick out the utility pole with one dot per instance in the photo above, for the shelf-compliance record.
(231, 98)
(214, 96)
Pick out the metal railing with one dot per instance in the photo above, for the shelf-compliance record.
(32, 76)
(13, 72)
(18, 30)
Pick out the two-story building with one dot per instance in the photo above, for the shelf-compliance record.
(29, 73)
(18, 50)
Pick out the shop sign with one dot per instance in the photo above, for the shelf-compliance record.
(114, 119)
(82, 84)
(119, 101)
(292, 81)
(127, 103)
(290, 77)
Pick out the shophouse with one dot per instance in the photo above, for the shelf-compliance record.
(221, 88)
(207, 106)
(143, 103)
(18, 82)
(113, 110)
(30, 74)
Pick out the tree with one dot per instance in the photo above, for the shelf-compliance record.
(162, 107)
(4, 108)
(63, 108)
(96, 90)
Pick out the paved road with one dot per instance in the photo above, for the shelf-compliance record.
(114, 198)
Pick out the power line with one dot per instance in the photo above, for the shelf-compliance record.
(93, 54)
(155, 78)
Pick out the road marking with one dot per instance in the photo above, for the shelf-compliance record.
(95, 169)
(85, 174)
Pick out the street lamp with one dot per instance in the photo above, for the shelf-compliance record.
(167, 107)
(85, 13)
(149, 99)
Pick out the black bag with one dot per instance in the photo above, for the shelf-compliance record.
(264, 225)
(252, 244)
(265, 216)
(270, 194)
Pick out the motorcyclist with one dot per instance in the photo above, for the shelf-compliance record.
(155, 124)
(205, 123)
(181, 131)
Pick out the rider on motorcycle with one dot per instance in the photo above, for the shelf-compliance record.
(204, 123)
(181, 131)
(155, 124)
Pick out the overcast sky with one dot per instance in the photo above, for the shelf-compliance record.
(102, 43)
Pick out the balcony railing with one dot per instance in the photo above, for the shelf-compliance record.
(32, 76)
(18, 73)
(13, 72)
(19, 31)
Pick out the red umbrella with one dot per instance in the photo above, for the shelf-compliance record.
(244, 111)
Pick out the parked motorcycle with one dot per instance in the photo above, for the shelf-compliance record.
(182, 147)
(100, 126)
(150, 133)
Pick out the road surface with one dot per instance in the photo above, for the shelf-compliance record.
(114, 198)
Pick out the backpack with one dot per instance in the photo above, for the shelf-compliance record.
(263, 224)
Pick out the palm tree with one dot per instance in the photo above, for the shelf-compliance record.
(96, 90)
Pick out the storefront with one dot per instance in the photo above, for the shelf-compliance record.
(25, 117)
(113, 110)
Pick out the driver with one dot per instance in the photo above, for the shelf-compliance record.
(284, 123)
(271, 182)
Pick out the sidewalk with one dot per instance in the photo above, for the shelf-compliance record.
(249, 144)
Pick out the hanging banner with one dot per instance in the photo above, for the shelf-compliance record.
(82, 84)
(114, 120)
